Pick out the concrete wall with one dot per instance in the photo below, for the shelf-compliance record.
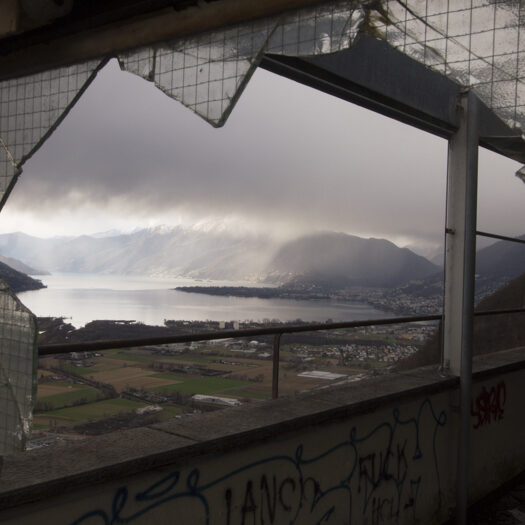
(378, 451)
(497, 432)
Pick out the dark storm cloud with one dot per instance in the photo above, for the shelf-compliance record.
(287, 154)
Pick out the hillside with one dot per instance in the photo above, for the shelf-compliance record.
(491, 333)
(19, 266)
(18, 281)
(330, 259)
(167, 252)
(501, 261)
(338, 260)
(496, 265)
(495, 333)
(324, 261)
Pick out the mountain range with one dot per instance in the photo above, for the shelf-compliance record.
(335, 259)
(502, 260)
(19, 266)
(155, 252)
(329, 259)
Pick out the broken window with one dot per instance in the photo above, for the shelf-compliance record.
(208, 73)
(477, 43)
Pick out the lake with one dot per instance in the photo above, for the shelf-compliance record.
(150, 300)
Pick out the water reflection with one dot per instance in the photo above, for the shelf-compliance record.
(150, 300)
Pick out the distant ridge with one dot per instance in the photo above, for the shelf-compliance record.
(338, 260)
(326, 259)
(163, 252)
(502, 260)
(19, 266)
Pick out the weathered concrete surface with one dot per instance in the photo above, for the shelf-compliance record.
(502, 507)
(378, 451)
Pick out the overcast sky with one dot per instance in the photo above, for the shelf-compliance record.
(289, 160)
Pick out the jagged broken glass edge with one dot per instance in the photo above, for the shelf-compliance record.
(272, 33)
(28, 149)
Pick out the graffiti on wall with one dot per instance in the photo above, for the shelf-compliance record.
(360, 477)
(489, 405)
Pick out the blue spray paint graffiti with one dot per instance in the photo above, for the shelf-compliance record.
(376, 475)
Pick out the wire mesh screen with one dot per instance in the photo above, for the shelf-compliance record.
(18, 361)
(478, 43)
(208, 73)
(30, 109)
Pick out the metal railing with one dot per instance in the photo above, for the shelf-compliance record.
(500, 237)
(276, 331)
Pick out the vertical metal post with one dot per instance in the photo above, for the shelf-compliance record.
(275, 369)
(460, 267)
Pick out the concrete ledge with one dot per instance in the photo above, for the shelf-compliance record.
(41, 474)
(489, 365)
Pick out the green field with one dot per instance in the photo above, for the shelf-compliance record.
(79, 370)
(189, 359)
(67, 398)
(169, 412)
(206, 385)
(253, 394)
(173, 377)
(37, 426)
(128, 356)
(96, 410)
(65, 384)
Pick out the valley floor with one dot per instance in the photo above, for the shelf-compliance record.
(83, 394)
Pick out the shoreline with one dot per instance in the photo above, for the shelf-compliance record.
(261, 293)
